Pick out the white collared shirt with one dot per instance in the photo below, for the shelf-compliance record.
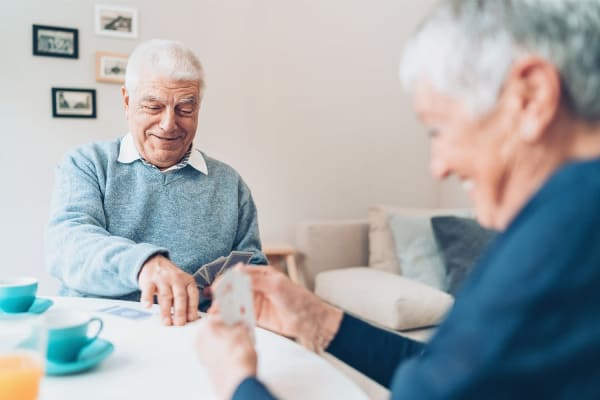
(128, 153)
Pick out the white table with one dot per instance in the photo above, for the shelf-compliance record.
(151, 361)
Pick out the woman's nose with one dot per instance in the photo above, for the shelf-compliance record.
(438, 167)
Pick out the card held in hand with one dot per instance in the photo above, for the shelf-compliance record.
(206, 274)
(234, 258)
(233, 295)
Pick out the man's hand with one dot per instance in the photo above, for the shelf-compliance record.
(173, 287)
(228, 354)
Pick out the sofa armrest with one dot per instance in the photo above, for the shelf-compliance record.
(326, 245)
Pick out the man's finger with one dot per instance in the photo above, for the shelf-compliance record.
(165, 301)
(180, 304)
(147, 297)
(193, 300)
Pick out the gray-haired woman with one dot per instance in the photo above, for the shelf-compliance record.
(510, 90)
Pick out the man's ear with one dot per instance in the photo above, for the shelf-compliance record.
(535, 88)
(125, 95)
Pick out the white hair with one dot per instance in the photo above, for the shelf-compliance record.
(163, 58)
(465, 49)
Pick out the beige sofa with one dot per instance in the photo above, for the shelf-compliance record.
(353, 264)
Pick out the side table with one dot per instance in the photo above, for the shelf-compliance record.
(283, 257)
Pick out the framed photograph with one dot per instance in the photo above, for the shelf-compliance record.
(110, 67)
(54, 41)
(73, 103)
(116, 21)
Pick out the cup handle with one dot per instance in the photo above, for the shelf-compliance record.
(100, 326)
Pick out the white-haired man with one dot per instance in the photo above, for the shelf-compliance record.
(510, 90)
(135, 217)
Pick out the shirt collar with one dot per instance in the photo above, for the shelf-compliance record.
(128, 153)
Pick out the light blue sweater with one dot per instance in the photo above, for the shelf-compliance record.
(107, 218)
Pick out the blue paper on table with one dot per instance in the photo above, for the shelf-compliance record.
(126, 312)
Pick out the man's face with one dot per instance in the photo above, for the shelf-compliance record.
(475, 149)
(163, 115)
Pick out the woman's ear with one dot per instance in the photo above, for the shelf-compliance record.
(537, 87)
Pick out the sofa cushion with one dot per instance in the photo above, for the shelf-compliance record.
(461, 242)
(390, 300)
(382, 249)
(417, 250)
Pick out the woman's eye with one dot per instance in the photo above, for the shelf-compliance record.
(433, 133)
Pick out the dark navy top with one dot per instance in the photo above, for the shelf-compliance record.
(526, 324)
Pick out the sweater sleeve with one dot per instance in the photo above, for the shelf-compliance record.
(525, 324)
(247, 236)
(80, 252)
(252, 389)
(373, 351)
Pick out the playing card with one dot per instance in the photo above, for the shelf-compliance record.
(205, 275)
(201, 281)
(126, 312)
(234, 298)
(234, 258)
(213, 269)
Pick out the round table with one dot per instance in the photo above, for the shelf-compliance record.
(151, 361)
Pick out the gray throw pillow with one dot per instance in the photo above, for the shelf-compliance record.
(417, 251)
(461, 241)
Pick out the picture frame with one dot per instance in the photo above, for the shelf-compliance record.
(110, 67)
(116, 21)
(55, 41)
(73, 103)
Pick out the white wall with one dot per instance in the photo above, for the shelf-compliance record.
(303, 100)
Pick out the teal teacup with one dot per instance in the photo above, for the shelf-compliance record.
(17, 295)
(68, 333)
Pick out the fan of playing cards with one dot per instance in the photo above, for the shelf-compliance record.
(206, 274)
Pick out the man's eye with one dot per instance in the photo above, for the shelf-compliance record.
(151, 107)
(186, 111)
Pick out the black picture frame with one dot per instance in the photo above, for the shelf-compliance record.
(73, 103)
(55, 41)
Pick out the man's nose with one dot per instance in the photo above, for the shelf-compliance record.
(167, 121)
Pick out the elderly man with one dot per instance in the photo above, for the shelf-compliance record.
(510, 90)
(143, 212)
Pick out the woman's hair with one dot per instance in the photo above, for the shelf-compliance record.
(163, 58)
(465, 49)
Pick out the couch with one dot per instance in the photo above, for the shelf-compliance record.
(380, 269)
(354, 264)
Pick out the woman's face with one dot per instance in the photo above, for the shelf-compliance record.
(477, 149)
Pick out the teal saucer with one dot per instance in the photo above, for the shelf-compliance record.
(39, 306)
(90, 356)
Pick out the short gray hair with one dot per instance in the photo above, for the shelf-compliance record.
(465, 48)
(166, 59)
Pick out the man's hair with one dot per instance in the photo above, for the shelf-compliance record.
(465, 49)
(163, 58)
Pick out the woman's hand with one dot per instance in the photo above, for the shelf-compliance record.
(228, 354)
(289, 309)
